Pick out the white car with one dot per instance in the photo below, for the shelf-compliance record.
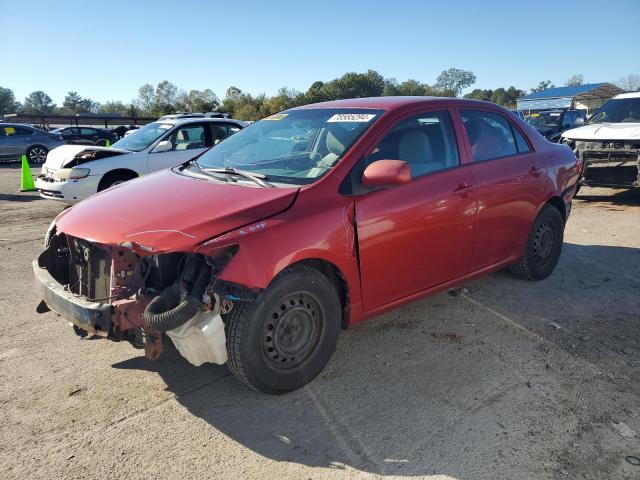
(609, 144)
(74, 172)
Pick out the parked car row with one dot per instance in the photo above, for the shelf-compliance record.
(256, 252)
(74, 172)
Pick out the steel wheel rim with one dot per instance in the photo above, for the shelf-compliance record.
(544, 243)
(292, 330)
(37, 155)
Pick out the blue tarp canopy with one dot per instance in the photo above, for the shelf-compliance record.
(564, 97)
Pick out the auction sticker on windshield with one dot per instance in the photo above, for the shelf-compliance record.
(277, 116)
(352, 117)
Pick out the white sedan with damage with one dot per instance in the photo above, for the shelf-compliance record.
(74, 172)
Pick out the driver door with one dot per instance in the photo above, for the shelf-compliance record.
(187, 141)
(421, 234)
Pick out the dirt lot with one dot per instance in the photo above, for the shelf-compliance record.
(503, 379)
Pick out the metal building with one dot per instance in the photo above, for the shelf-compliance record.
(583, 97)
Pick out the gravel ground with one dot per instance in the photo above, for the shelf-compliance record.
(501, 379)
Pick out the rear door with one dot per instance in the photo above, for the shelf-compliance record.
(418, 235)
(187, 141)
(510, 181)
(11, 144)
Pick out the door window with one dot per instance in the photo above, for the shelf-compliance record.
(87, 131)
(188, 137)
(15, 131)
(490, 135)
(426, 142)
(220, 131)
(69, 131)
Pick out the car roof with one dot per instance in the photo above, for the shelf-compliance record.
(628, 95)
(392, 103)
(177, 121)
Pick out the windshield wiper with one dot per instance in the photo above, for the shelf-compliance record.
(254, 177)
(203, 172)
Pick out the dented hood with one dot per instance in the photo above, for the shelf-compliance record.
(165, 211)
(63, 155)
(605, 131)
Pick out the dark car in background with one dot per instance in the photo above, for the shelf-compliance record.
(17, 139)
(86, 136)
(551, 123)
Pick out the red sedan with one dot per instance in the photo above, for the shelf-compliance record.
(262, 248)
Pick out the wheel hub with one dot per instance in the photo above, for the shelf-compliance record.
(544, 242)
(292, 330)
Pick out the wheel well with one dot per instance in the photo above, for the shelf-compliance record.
(119, 172)
(334, 274)
(37, 145)
(559, 204)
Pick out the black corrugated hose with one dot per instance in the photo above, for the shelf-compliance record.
(168, 311)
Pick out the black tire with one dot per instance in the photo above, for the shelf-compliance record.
(543, 247)
(113, 178)
(283, 340)
(37, 154)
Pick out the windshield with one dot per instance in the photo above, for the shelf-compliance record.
(623, 110)
(297, 146)
(545, 119)
(140, 139)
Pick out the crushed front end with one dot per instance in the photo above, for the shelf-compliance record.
(123, 292)
(614, 163)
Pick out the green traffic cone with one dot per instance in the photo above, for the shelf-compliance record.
(26, 180)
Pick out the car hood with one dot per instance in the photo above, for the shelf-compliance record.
(166, 211)
(72, 155)
(605, 131)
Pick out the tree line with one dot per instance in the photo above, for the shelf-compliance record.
(166, 98)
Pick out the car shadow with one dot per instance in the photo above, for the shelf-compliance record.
(615, 197)
(436, 386)
(16, 197)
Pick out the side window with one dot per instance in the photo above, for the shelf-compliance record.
(426, 142)
(23, 131)
(87, 131)
(188, 137)
(490, 135)
(69, 131)
(521, 143)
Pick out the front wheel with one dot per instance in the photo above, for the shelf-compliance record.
(284, 339)
(543, 247)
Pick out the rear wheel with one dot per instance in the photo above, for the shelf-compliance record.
(114, 178)
(37, 154)
(543, 247)
(284, 339)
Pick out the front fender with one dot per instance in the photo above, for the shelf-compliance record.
(267, 247)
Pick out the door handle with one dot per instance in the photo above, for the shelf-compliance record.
(464, 189)
(535, 171)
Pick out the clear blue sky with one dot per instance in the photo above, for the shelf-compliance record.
(106, 50)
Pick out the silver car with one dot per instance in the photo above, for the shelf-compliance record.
(17, 139)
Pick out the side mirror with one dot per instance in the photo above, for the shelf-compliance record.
(163, 146)
(386, 173)
(580, 121)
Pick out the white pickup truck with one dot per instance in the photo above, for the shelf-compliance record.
(609, 144)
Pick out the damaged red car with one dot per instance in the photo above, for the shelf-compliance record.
(257, 252)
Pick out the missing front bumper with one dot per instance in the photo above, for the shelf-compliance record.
(92, 317)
